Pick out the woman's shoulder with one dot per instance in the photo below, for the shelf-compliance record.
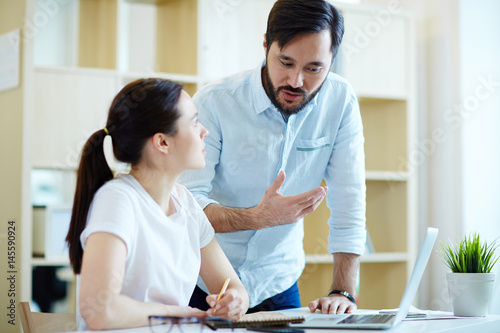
(186, 198)
(182, 193)
(120, 186)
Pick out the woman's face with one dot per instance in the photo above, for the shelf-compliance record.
(187, 145)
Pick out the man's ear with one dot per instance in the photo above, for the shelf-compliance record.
(265, 43)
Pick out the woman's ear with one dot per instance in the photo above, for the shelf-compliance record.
(161, 142)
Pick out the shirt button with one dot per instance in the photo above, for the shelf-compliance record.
(253, 243)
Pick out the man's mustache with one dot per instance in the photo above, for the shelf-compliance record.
(291, 89)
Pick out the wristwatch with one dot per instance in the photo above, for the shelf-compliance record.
(343, 293)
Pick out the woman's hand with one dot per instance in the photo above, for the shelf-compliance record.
(230, 305)
(215, 270)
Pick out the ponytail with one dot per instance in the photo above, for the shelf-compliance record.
(93, 172)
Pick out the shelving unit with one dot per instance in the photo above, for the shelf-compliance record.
(96, 47)
(377, 59)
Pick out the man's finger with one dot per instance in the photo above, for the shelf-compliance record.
(351, 308)
(278, 181)
(311, 204)
(313, 305)
(308, 197)
(342, 308)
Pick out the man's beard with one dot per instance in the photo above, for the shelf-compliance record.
(272, 93)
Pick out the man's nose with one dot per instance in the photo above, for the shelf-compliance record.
(296, 79)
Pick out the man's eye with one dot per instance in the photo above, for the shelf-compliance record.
(315, 69)
(285, 63)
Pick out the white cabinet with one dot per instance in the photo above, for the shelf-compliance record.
(376, 53)
(231, 36)
(96, 47)
(69, 107)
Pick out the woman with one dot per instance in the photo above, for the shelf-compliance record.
(138, 241)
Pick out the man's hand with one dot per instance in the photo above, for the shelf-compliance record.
(345, 269)
(334, 304)
(273, 209)
(277, 209)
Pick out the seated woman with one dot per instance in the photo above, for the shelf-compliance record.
(138, 241)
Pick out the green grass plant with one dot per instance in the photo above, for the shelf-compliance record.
(469, 255)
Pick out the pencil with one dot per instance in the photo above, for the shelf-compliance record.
(223, 290)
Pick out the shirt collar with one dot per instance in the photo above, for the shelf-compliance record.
(260, 98)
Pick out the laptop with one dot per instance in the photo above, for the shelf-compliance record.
(379, 321)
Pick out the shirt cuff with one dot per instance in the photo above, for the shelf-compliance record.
(347, 241)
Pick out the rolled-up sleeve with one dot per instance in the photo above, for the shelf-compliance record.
(345, 177)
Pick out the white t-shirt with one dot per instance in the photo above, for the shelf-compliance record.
(163, 252)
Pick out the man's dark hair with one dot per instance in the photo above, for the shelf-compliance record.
(289, 18)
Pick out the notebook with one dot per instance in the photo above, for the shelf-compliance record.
(379, 321)
(259, 319)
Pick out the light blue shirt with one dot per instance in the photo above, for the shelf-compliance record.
(249, 143)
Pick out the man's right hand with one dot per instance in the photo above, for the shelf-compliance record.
(277, 209)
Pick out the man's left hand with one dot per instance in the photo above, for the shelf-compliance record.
(333, 304)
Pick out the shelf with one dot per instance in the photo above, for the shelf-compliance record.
(382, 257)
(376, 175)
(183, 78)
(386, 215)
(49, 262)
(362, 97)
(385, 127)
(76, 71)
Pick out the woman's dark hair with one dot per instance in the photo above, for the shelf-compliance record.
(139, 111)
(289, 18)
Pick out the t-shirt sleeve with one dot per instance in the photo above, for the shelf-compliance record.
(111, 211)
(205, 229)
(207, 232)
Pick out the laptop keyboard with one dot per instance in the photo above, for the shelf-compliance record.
(367, 319)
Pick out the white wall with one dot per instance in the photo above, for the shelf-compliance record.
(480, 120)
(459, 97)
(458, 49)
(441, 184)
(55, 27)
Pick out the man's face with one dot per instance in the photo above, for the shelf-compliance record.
(294, 74)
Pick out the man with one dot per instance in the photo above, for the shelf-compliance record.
(289, 118)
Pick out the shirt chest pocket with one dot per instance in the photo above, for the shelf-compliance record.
(311, 158)
(313, 144)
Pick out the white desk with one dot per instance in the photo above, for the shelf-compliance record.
(489, 324)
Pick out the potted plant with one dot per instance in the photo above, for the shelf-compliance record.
(470, 283)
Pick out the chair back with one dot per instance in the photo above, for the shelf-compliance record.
(41, 322)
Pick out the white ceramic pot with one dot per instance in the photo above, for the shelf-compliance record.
(470, 293)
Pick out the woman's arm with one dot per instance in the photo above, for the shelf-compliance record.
(100, 302)
(215, 268)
